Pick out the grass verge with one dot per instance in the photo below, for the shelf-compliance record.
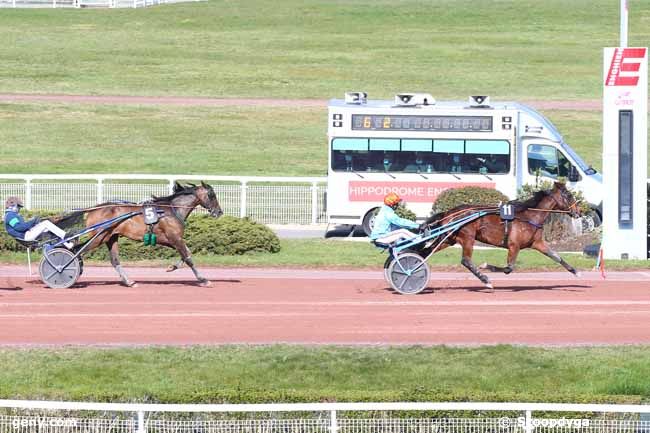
(342, 254)
(279, 373)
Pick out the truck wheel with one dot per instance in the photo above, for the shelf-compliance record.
(369, 221)
(590, 221)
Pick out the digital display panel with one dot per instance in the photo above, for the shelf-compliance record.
(381, 122)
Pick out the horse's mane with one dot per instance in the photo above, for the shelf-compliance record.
(178, 191)
(531, 202)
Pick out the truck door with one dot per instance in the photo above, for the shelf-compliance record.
(547, 162)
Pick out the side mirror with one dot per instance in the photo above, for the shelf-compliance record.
(574, 175)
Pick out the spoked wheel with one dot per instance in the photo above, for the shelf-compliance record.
(59, 268)
(408, 274)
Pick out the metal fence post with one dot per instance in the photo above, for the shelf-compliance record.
(141, 426)
(529, 422)
(334, 426)
(28, 193)
(242, 203)
(314, 202)
(100, 190)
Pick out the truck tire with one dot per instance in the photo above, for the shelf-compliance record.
(369, 221)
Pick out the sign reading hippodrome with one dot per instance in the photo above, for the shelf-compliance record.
(417, 192)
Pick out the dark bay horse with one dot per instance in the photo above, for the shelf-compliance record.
(173, 211)
(524, 231)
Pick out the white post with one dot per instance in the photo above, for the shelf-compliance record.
(625, 147)
(29, 260)
(100, 190)
(314, 202)
(623, 31)
(13, 3)
(171, 186)
(529, 422)
(28, 193)
(141, 427)
(242, 203)
(334, 427)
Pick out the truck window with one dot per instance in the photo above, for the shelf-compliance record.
(547, 161)
(420, 156)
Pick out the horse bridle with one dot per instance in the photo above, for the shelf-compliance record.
(572, 208)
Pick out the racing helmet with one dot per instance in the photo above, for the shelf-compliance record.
(391, 199)
(13, 201)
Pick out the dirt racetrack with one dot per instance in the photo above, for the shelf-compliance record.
(321, 307)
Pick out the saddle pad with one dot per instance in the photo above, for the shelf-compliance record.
(507, 212)
(150, 215)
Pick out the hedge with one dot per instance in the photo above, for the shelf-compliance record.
(203, 234)
(468, 195)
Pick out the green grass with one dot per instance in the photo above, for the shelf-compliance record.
(512, 48)
(75, 138)
(342, 254)
(293, 373)
(61, 138)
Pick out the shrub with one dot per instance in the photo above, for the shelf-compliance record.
(403, 212)
(470, 195)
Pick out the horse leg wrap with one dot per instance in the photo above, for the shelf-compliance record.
(474, 270)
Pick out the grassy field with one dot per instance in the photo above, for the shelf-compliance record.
(452, 48)
(342, 254)
(75, 138)
(295, 373)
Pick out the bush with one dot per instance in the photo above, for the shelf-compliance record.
(470, 195)
(203, 234)
(403, 212)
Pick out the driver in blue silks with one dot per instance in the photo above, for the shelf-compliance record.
(30, 230)
(389, 227)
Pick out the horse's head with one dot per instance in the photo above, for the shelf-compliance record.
(564, 199)
(208, 199)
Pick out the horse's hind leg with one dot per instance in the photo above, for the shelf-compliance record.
(513, 252)
(114, 249)
(541, 246)
(468, 249)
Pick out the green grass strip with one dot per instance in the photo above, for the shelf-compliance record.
(255, 374)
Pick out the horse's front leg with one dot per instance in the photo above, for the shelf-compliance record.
(543, 248)
(186, 256)
(114, 250)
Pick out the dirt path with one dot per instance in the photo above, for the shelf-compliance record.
(586, 104)
(261, 306)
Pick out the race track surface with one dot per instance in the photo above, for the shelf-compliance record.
(261, 306)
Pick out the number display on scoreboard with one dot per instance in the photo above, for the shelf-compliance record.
(380, 122)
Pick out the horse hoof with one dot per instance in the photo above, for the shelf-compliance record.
(171, 268)
(483, 266)
(577, 274)
(489, 286)
(205, 283)
(130, 284)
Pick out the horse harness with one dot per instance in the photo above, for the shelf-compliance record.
(507, 214)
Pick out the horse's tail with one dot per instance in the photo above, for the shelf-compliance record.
(70, 220)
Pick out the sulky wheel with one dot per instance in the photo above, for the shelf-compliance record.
(59, 268)
(408, 274)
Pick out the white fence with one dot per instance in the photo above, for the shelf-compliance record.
(19, 416)
(269, 200)
(84, 3)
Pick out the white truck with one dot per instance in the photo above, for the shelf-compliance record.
(419, 147)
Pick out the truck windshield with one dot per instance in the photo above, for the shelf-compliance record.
(420, 156)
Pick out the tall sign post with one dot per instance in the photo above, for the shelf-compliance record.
(625, 153)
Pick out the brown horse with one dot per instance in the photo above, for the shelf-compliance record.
(524, 231)
(172, 210)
